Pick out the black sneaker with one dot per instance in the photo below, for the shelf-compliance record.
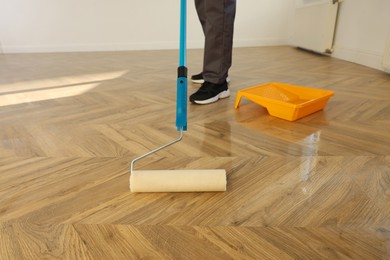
(209, 93)
(198, 78)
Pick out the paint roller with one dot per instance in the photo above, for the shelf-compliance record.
(177, 180)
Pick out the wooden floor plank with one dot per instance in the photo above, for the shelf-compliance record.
(316, 188)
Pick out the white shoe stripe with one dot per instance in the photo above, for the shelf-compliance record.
(201, 81)
(197, 81)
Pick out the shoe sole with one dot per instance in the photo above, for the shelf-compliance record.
(201, 81)
(223, 94)
(197, 81)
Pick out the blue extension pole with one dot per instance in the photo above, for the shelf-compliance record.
(181, 94)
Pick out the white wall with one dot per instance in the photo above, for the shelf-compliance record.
(362, 31)
(94, 25)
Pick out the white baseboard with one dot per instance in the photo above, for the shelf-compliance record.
(89, 47)
(260, 42)
(367, 58)
(167, 45)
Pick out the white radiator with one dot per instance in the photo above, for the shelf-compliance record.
(314, 24)
(386, 56)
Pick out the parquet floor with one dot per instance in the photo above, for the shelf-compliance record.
(317, 188)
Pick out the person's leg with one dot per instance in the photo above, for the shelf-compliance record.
(217, 18)
(199, 5)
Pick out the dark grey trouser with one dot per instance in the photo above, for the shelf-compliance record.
(217, 19)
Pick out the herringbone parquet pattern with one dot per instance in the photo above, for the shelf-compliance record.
(317, 188)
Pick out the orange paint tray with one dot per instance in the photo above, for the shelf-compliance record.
(286, 101)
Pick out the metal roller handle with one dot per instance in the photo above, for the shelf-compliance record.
(154, 151)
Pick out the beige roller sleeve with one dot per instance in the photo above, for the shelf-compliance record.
(178, 180)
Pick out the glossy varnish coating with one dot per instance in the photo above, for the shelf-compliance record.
(317, 188)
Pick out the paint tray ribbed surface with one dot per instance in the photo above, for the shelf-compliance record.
(286, 101)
